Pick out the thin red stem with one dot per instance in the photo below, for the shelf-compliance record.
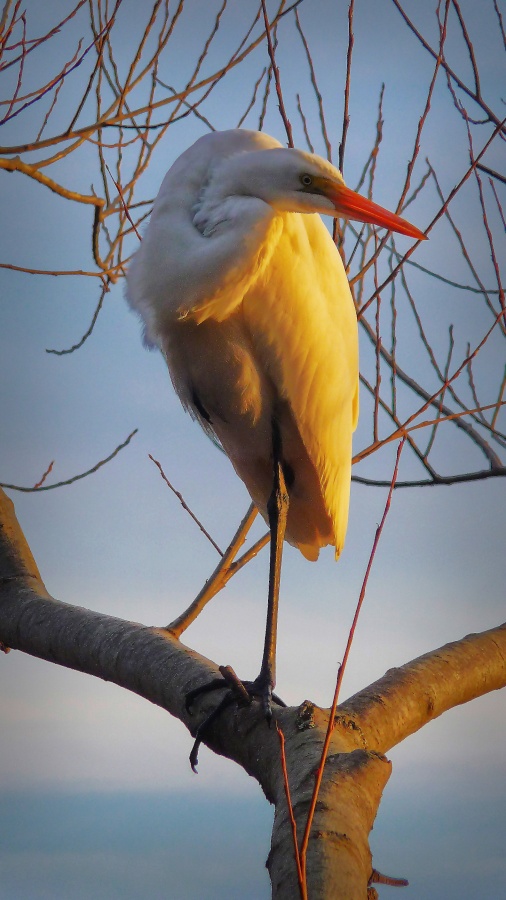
(342, 667)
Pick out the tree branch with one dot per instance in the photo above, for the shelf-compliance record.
(154, 664)
(406, 698)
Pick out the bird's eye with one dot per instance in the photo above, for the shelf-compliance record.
(306, 180)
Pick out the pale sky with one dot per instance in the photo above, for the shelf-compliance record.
(98, 799)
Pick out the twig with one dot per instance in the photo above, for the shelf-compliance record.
(499, 128)
(58, 484)
(393, 346)
(378, 344)
(484, 291)
(410, 382)
(253, 98)
(314, 82)
(405, 430)
(57, 272)
(304, 125)
(123, 203)
(342, 667)
(185, 505)
(451, 74)
(300, 876)
(17, 165)
(250, 554)
(66, 71)
(277, 80)
(14, 98)
(46, 473)
(111, 119)
(221, 575)
(423, 118)
(491, 172)
(499, 400)
(346, 113)
(501, 24)
(436, 480)
(451, 345)
(488, 231)
(395, 419)
(379, 878)
(89, 330)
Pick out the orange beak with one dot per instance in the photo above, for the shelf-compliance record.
(351, 205)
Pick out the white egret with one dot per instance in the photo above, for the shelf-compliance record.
(243, 290)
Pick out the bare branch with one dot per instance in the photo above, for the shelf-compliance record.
(342, 668)
(423, 689)
(346, 112)
(277, 81)
(185, 505)
(58, 484)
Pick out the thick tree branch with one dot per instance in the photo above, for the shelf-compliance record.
(154, 664)
(405, 699)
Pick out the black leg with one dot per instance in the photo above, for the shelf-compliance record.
(277, 509)
(262, 687)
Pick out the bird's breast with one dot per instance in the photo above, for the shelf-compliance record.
(217, 376)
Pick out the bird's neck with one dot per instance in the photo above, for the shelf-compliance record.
(242, 251)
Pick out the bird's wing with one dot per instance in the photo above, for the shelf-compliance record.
(303, 326)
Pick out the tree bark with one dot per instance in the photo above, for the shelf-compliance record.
(154, 664)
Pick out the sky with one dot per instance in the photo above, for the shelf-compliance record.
(98, 799)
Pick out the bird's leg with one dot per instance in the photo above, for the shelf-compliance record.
(277, 509)
(261, 687)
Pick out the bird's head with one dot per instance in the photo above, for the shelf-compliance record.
(294, 181)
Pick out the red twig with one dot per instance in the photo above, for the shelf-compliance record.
(68, 68)
(393, 274)
(46, 473)
(502, 299)
(423, 118)
(19, 81)
(498, 202)
(378, 342)
(277, 81)
(123, 203)
(404, 431)
(342, 667)
(300, 876)
(314, 82)
(185, 505)
(406, 427)
(346, 113)
(36, 42)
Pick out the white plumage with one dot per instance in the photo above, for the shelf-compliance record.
(239, 283)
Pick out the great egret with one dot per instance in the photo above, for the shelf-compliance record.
(249, 302)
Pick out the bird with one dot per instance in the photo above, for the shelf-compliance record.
(239, 283)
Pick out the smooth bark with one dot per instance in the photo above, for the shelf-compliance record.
(154, 664)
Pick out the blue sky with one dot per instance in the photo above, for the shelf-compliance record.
(97, 794)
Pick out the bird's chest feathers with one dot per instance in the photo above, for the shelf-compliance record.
(213, 369)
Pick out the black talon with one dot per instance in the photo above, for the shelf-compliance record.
(240, 692)
(213, 685)
(204, 726)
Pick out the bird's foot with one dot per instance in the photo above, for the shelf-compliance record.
(240, 692)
